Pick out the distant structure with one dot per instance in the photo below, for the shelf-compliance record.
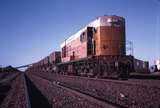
(24, 66)
(158, 64)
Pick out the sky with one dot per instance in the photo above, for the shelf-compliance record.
(32, 29)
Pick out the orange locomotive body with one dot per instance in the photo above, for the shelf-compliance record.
(103, 36)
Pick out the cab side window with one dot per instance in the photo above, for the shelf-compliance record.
(83, 37)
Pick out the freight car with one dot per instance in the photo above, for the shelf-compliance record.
(96, 50)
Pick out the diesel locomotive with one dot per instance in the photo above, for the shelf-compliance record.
(96, 50)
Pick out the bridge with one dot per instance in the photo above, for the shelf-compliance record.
(24, 66)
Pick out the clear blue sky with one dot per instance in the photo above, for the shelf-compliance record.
(31, 29)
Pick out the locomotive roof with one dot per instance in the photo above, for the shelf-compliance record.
(99, 21)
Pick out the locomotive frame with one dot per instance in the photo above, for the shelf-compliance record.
(98, 66)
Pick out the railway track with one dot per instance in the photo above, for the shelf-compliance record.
(87, 96)
(62, 91)
(103, 102)
(26, 94)
(17, 94)
(80, 99)
(37, 100)
(126, 93)
(131, 81)
(145, 76)
(23, 94)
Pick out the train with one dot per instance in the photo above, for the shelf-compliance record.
(96, 50)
